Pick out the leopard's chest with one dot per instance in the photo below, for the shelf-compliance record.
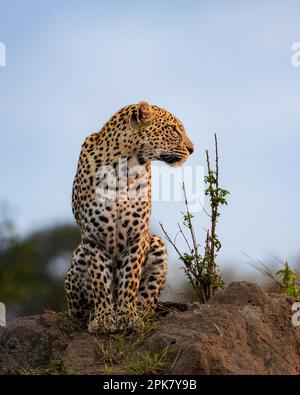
(116, 225)
(116, 212)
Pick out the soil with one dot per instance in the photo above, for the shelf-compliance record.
(243, 330)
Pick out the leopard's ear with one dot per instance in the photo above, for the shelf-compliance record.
(145, 111)
(142, 114)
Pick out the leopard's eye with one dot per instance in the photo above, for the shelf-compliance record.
(174, 128)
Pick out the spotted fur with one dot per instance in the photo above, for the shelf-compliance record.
(119, 267)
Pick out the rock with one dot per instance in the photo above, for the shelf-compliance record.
(80, 354)
(32, 341)
(243, 330)
(243, 293)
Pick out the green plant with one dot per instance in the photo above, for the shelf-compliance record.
(202, 269)
(289, 280)
(148, 363)
(117, 349)
(108, 353)
(56, 367)
(122, 349)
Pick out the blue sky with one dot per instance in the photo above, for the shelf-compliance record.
(221, 67)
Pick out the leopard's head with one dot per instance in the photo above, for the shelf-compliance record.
(158, 135)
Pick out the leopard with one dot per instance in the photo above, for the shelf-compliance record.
(119, 269)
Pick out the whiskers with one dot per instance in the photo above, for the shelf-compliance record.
(174, 157)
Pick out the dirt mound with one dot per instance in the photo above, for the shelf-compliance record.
(243, 330)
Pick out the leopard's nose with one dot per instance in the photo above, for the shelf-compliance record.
(190, 149)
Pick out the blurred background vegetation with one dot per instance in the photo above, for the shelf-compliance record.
(32, 268)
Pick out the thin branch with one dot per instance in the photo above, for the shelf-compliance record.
(204, 209)
(209, 240)
(195, 244)
(175, 238)
(169, 240)
(184, 236)
(263, 269)
(175, 360)
(217, 162)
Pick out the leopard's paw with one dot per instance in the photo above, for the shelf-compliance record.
(129, 321)
(102, 323)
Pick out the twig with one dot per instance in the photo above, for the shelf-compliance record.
(184, 236)
(279, 353)
(195, 244)
(263, 269)
(217, 162)
(218, 329)
(169, 240)
(175, 360)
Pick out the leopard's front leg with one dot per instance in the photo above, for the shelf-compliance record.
(100, 268)
(130, 269)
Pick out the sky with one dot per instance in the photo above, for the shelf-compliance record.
(220, 67)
